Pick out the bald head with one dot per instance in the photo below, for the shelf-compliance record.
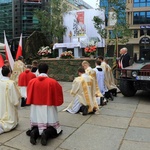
(124, 50)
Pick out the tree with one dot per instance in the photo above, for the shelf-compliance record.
(51, 20)
(120, 32)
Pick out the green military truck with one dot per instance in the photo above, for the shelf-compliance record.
(136, 76)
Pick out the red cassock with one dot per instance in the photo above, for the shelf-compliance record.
(25, 77)
(44, 91)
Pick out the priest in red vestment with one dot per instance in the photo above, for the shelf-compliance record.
(23, 81)
(44, 94)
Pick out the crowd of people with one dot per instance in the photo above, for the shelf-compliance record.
(29, 85)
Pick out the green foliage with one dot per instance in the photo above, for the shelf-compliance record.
(33, 43)
(51, 20)
(98, 24)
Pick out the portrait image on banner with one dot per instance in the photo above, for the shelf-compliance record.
(80, 26)
(80, 29)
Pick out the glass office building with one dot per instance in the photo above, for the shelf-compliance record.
(137, 15)
(17, 16)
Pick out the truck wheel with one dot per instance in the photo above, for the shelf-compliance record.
(127, 88)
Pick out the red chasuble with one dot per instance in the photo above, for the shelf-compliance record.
(44, 91)
(25, 77)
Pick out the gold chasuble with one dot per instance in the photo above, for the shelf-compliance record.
(92, 73)
(19, 67)
(109, 78)
(83, 88)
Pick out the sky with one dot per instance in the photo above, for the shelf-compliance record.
(92, 3)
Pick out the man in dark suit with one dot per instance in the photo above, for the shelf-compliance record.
(125, 58)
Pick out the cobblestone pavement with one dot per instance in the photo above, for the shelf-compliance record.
(123, 124)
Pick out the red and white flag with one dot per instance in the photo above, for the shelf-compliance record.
(19, 50)
(8, 53)
(1, 61)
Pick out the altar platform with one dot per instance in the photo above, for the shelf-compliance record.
(66, 69)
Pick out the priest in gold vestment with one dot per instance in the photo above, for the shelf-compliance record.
(19, 67)
(83, 90)
(109, 78)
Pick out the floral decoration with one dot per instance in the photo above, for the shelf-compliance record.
(67, 55)
(90, 50)
(44, 51)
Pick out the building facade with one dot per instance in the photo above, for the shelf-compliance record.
(17, 16)
(138, 18)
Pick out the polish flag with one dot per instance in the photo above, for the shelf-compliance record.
(1, 61)
(19, 51)
(8, 53)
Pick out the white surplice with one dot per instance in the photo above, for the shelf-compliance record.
(9, 100)
(100, 79)
(44, 116)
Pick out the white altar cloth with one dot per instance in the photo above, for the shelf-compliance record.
(76, 46)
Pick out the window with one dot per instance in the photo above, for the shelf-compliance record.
(135, 34)
(141, 3)
(141, 17)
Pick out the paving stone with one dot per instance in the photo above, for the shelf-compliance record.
(22, 142)
(109, 121)
(138, 134)
(61, 149)
(24, 112)
(72, 120)
(140, 122)
(62, 107)
(132, 145)
(67, 131)
(142, 115)
(92, 137)
(115, 112)
(24, 124)
(120, 106)
(143, 108)
(9, 135)
(68, 98)
(6, 148)
(124, 100)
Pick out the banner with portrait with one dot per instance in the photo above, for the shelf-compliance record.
(80, 26)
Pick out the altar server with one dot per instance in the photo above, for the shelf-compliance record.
(23, 81)
(44, 94)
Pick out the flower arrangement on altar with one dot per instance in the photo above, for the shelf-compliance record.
(44, 51)
(90, 50)
(67, 55)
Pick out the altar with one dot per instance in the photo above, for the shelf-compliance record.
(76, 46)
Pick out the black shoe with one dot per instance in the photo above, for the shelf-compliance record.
(85, 110)
(44, 138)
(28, 133)
(101, 101)
(34, 135)
(23, 102)
(111, 97)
